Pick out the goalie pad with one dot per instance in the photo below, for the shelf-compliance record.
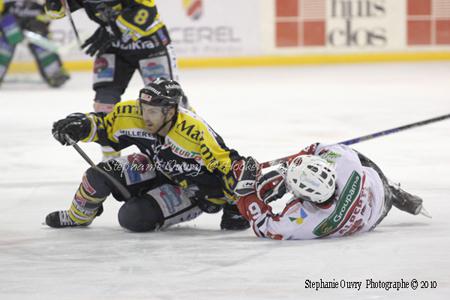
(50, 66)
(6, 55)
(10, 29)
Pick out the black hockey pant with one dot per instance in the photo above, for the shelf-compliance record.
(114, 69)
(154, 202)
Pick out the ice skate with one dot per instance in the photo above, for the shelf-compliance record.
(407, 202)
(60, 219)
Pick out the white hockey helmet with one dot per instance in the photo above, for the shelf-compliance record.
(311, 178)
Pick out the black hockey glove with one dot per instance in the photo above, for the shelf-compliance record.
(105, 35)
(73, 128)
(245, 172)
(271, 186)
(99, 42)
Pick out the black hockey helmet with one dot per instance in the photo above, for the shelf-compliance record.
(162, 92)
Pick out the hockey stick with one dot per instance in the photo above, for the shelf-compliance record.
(69, 14)
(50, 45)
(40, 41)
(365, 138)
(119, 186)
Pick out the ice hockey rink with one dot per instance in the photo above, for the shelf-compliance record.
(263, 112)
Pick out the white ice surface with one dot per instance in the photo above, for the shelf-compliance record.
(264, 112)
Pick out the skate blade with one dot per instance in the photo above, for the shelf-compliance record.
(425, 213)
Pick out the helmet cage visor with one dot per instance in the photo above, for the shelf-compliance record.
(311, 178)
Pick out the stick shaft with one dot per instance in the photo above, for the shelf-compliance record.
(394, 130)
(367, 137)
(117, 184)
(72, 23)
(40, 41)
(120, 187)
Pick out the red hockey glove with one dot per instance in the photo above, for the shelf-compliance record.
(271, 186)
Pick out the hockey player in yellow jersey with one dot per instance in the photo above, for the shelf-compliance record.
(131, 36)
(184, 164)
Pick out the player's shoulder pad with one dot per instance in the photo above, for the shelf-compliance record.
(127, 108)
(190, 125)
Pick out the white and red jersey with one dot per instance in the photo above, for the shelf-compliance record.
(357, 205)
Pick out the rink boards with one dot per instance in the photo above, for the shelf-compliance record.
(233, 33)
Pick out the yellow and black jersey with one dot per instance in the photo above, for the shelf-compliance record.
(136, 19)
(191, 153)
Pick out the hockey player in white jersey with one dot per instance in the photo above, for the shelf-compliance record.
(335, 191)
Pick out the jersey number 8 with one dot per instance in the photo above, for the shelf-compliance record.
(141, 17)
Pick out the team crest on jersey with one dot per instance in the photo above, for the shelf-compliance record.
(301, 218)
(193, 8)
(329, 156)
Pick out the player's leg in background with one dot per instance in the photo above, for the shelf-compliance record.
(49, 63)
(112, 73)
(133, 171)
(154, 64)
(162, 63)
